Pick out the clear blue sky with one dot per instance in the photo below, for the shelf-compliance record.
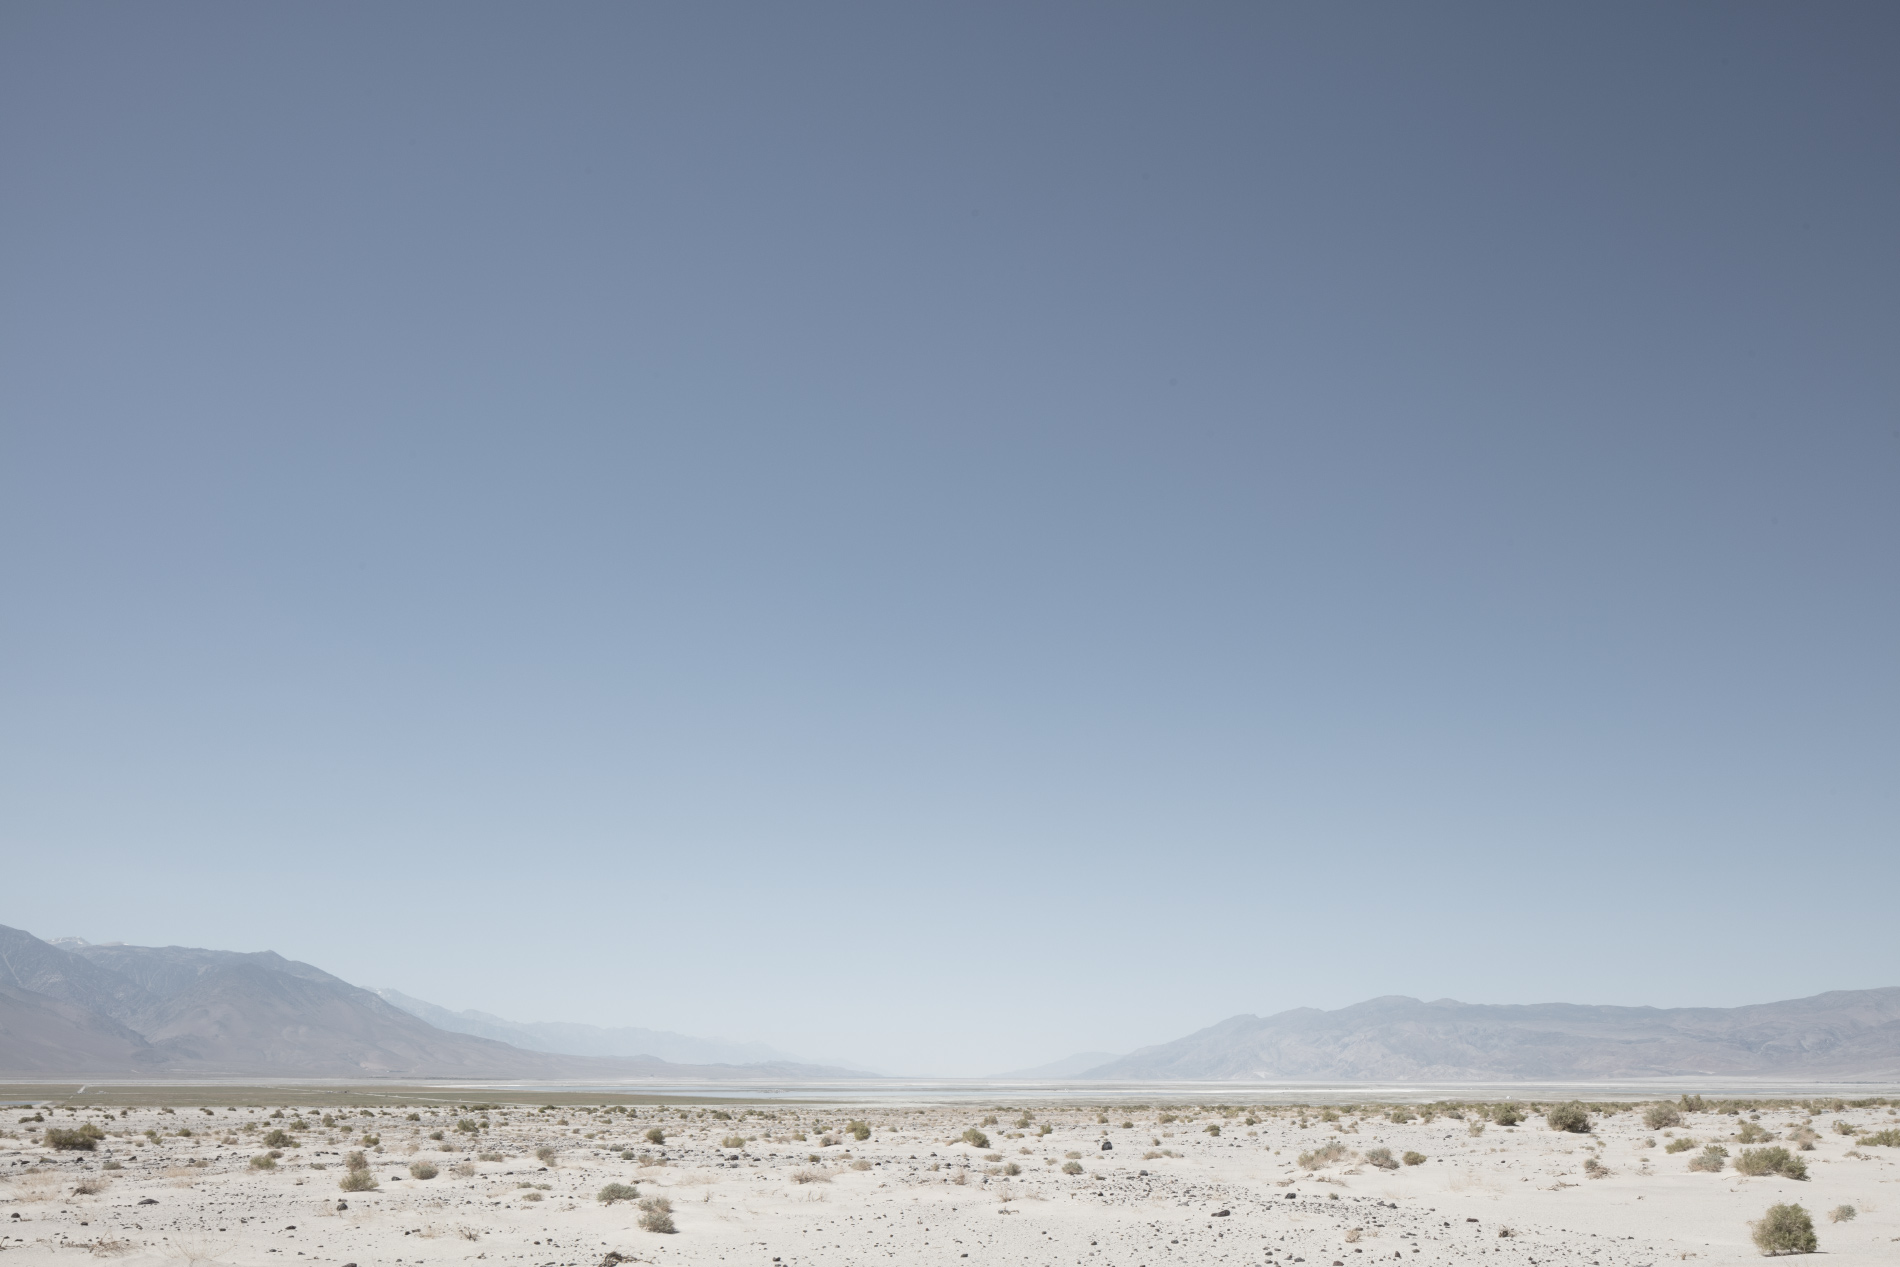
(946, 535)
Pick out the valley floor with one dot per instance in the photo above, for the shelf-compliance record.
(791, 1186)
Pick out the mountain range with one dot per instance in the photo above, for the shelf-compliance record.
(70, 1008)
(1840, 1034)
(573, 1039)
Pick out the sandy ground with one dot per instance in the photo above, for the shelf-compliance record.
(1166, 1193)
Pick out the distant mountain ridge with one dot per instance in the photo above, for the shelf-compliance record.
(1843, 1033)
(72, 1008)
(573, 1039)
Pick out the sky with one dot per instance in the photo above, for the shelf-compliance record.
(942, 536)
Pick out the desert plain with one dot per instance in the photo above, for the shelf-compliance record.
(444, 1176)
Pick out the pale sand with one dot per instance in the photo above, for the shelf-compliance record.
(742, 1206)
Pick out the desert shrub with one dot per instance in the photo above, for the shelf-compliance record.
(1212, 1128)
(466, 1170)
(1506, 1114)
(616, 1192)
(263, 1161)
(1751, 1133)
(546, 1154)
(1325, 1155)
(1073, 1156)
(862, 1164)
(1693, 1104)
(655, 1135)
(530, 1196)
(1681, 1144)
(975, 1138)
(1889, 1138)
(991, 1120)
(1841, 1213)
(490, 1156)
(1474, 1127)
(1382, 1158)
(1661, 1116)
(82, 1138)
(278, 1139)
(1071, 1167)
(733, 1141)
(656, 1215)
(1046, 1129)
(810, 1176)
(1839, 1128)
(1785, 1229)
(859, 1130)
(1572, 1117)
(89, 1187)
(1011, 1168)
(360, 1180)
(1711, 1159)
(1594, 1168)
(1771, 1161)
(1400, 1114)
(113, 1165)
(1414, 1159)
(468, 1126)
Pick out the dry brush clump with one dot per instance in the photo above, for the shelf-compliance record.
(1771, 1161)
(1571, 1117)
(1325, 1155)
(656, 1215)
(1711, 1159)
(1784, 1229)
(1661, 1116)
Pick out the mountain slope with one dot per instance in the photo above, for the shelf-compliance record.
(1844, 1033)
(28, 963)
(41, 1035)
(177, 1011)
(588, 1040)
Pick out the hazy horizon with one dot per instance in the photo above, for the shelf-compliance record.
(944, 537)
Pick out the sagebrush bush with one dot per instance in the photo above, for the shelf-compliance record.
(656, 1215)
(1382, 1158)
(1841, 1213)
(1325, 1155)
(1771, 1161)
(1414, 1159)
(1681, 1144)
(1571, 1117)
(357, 1181)
(655, 1135)
(1751, 1133)
(616, 1192)
(1212, 1128)
(733, 1141)
(546, 1154)
(423, 1170)
(1710, 1159)
(263, 1161)
(1889, 1138)
(1660, 1116)
(1506, 1114)
(1071, 1167)
(975, 1138)
(859, 1130)
(83, 1138)
(1784, 1229)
